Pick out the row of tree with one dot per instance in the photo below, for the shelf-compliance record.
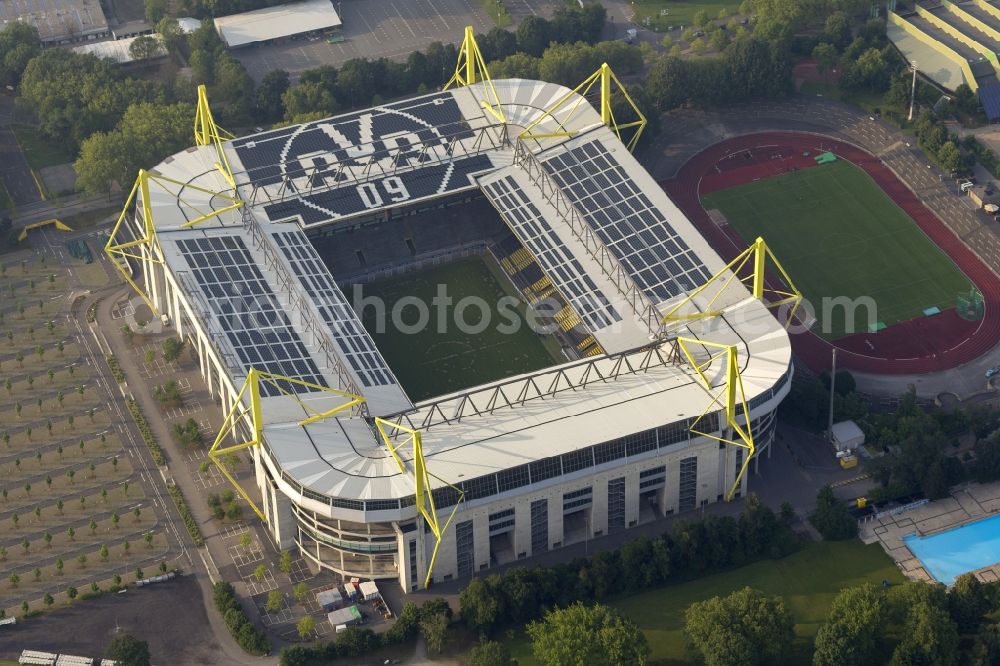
(914, 623)
(533, 596)
(692, 549)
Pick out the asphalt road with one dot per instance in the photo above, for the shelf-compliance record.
(14, 169)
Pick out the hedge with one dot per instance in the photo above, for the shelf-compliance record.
(182, 506)
(147, 434)
(116, 369)
(250, 638)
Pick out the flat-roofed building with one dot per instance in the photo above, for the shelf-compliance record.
(271, 23)
(58, 21)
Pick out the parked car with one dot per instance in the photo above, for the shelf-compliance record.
(992, 371)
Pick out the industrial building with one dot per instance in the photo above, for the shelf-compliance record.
(58, 21)
(278, 22)
(662, 407)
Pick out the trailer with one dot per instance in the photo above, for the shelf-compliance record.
(345, 616)
(330, 600)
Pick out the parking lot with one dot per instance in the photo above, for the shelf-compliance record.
(380, 28)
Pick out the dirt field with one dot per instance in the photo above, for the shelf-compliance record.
(170, 616)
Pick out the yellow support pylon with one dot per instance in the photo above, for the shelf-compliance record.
(390, 433)
(206, 133)
(123, 251)
(37, 225)
(732, 399)
(608, 81)
(238, 413)
(470, 69)
(756, 257)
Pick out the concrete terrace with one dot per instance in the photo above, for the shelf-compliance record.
(966, 504)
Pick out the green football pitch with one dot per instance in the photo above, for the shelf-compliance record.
(837, 234)
(440, 357)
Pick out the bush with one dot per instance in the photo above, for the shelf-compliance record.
(116, 370)
(250, 638)
(182, 506)
(831, 517)
(147, 434)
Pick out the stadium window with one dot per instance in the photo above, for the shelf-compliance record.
(609, 451)
(577, 460)
(445, 496)
(640, 442)
(673, 433)
(501, 514)
(547, 468)
(410, 246)
(509, 479)
(480, 487)
(361, 258)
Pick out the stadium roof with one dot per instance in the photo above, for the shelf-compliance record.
(262, 25)
(625, 240)
(57, 20)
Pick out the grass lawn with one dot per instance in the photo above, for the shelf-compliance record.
(807, 580)
(431, 362)
(679, 13)
(838, 234)
(496, 11)
(39, 151)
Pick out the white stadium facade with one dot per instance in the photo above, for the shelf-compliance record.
(632, 426)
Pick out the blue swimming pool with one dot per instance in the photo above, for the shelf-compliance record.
(947, 555)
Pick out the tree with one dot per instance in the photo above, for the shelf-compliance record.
(587, 635)
(533, 35)
(145, 135)
(489, 653)
(19, 43)
(127, 650)
(968, 602)
(949, 156)
(269, 94)
(170, 32)
(48, 600)
(480, 603)
(301, 591)
(172, 348)
(145, 47)
(837, 30)
(825, 55)
(831, 517)
(853, 629)
(285, 562)
(275, 601)
(306, 626)
(929, 637)
(71, 592)
(155, 10)
(434, 628)
(260, 572)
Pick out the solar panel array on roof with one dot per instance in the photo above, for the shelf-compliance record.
(354, 341)
(248, 311)
(431, 180)
(353, 137)
(552, 254)
(635, 231)
(307, 157)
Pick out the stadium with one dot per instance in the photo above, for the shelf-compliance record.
(647, 387)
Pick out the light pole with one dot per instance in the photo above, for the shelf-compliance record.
(913, 89)
(833, 382)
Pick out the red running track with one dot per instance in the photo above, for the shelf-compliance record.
(920, 345)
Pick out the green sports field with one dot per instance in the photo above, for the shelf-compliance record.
(438, 359)
(838, 234)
